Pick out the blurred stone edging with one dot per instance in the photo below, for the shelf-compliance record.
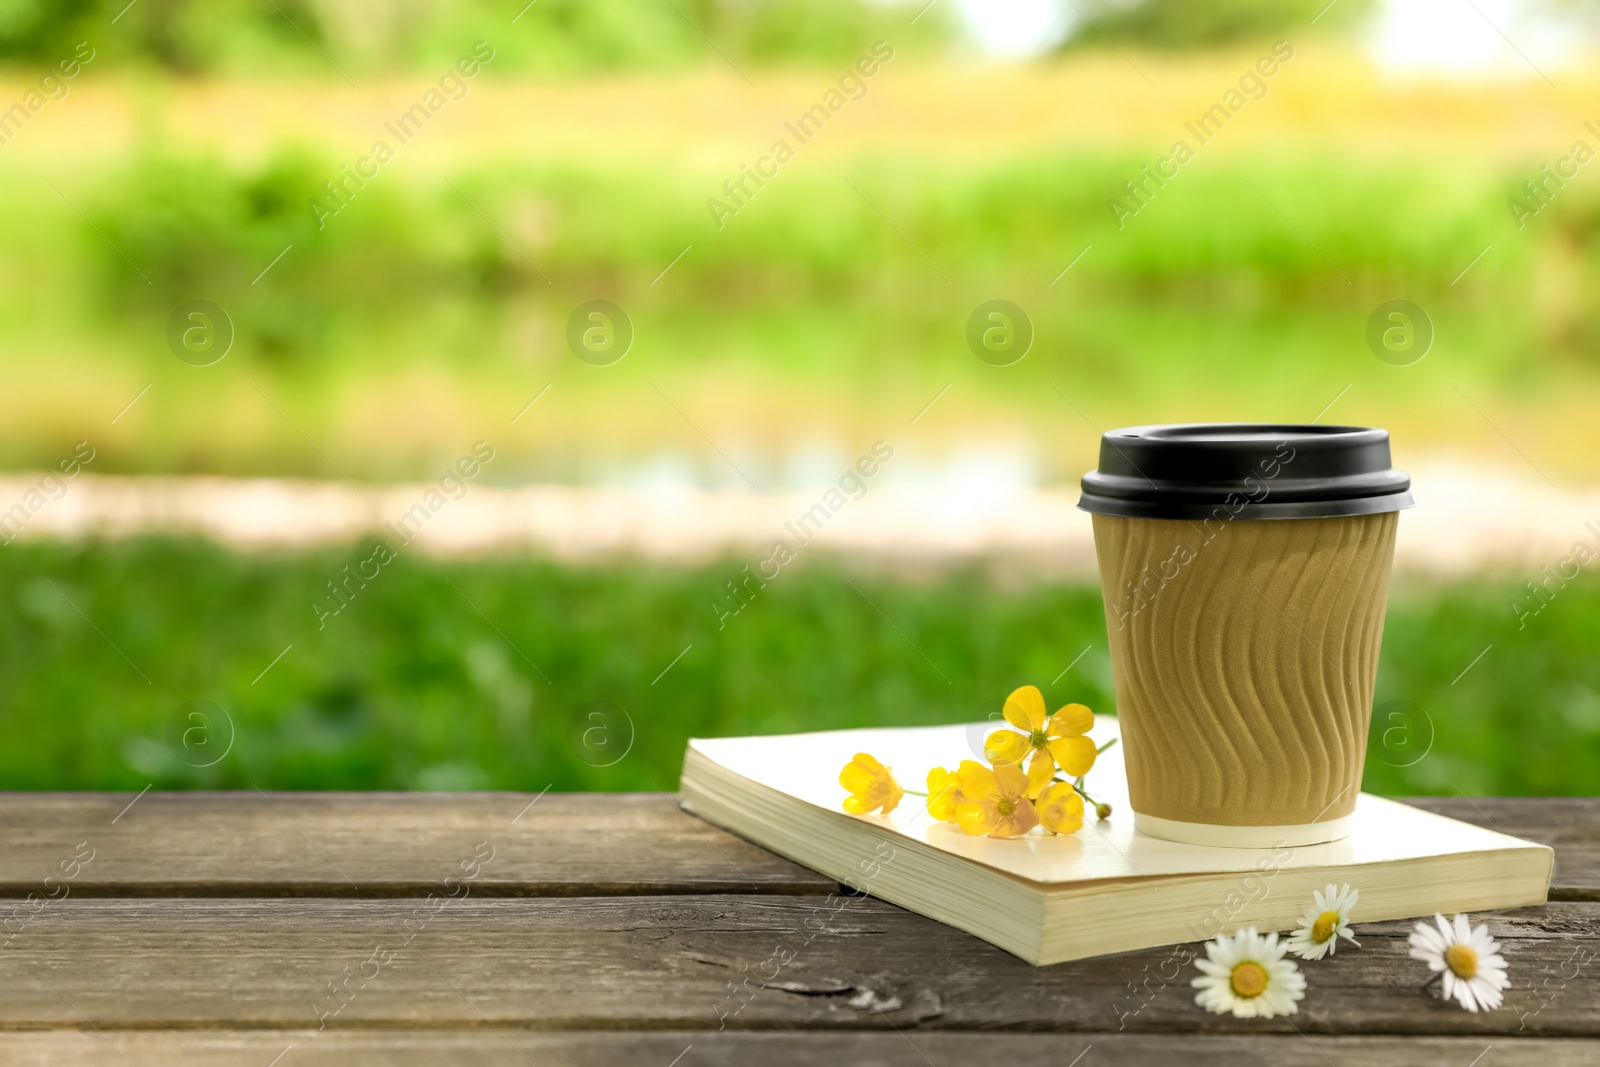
(1467, 520)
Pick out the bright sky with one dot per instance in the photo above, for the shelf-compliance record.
(1460, 36)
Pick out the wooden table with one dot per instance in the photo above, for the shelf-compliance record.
(509, 929)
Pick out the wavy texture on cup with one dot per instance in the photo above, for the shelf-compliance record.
(1244, 681)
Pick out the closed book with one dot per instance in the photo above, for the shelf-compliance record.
(1106, 888)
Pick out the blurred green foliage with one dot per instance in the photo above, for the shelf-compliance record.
(806, 288)
(1180, 24)
(331, 38)
(468, 675)
(183, 219)
(190, 223)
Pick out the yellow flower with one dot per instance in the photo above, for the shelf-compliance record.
(1056, 742)
(944, 793)
(994, 802)
(871, 786)
(944, 790)
(1060, 808)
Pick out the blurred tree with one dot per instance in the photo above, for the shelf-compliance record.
(548, 37)
(1190, 24)
(181, 35)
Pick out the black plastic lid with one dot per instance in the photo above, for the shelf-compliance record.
(1244, 470)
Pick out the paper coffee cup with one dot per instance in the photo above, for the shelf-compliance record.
(1245, 569)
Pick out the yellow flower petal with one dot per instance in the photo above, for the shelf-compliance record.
(1025, 709)
(1041, 768)
(977, 781)
(870, 762)
(856, 805)
(1060, 809)
(1022, 819)
(1005, 746)
(1070, 721)
(1074, 754)
(857, 778)
(1010, 781)
(894, 793)
(870, 785)
(944, 793)
(972, 818)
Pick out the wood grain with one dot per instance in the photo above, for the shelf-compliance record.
(250, 844)
(616, 929)
(519, 1048)
(704, 962)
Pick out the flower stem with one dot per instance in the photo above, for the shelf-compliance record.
(1102, 810)
(913, 792)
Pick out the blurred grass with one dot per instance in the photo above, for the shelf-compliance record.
(467, 675)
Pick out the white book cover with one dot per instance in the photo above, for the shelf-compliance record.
(783, 793)
(806, 767)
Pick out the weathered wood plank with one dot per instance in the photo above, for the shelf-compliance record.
(400, 844)
(518, 1048)
(251, 843)
(1570, 825)
(700, 963)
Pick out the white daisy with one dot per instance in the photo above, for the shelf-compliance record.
(1469, 959)
(1324, 923)
(1247, 975)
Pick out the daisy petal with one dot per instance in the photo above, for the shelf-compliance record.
(1426, 937)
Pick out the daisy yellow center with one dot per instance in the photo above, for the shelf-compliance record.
(1249, 979)
(1463, 960)
(1324, 927)
(1039, 739)
(1006, 807)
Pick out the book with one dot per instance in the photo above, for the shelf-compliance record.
(1049, 898)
